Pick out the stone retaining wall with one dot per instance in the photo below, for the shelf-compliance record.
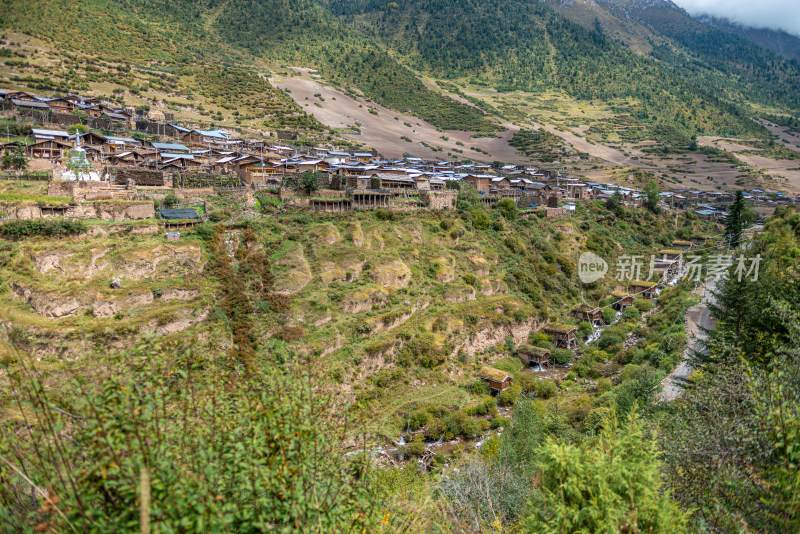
(105, 211)
(139, 176)
(439, 200)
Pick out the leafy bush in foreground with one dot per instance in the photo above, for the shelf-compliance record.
(245, 455)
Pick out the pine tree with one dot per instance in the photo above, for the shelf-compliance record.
(739, 216)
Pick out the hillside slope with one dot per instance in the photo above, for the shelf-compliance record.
(527, 46)
(263, 33)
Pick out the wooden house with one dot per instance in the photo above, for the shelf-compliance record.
(586, 312)
(205, 137)
(21, 96)
(92, 110)
(577, 190)
(481, 182)
(306, 165)
(499, 182)
(130, 158)
(644, 288)
(92, 139)
(61, 105)
(436, 184)
(48, 149)
(669, 254)
(364, 157)
(622, 299)
(682, 245)
(531, 355)
(496, 379)
(395, 181)
(564, 335)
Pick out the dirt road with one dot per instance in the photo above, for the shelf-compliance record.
(697, 318)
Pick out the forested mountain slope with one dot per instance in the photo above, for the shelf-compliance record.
(690, 80)
(778, 41)
(267, 32)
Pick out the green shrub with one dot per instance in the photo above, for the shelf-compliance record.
(384, 214)
(562, 356)
(608, 315)
(170, 200)
(469, 279)
(544, 389)
(594, 420)
(540, 339)
(509, 396)
(434, 429)
(479, 387)
(446, 224)
(455, 233)
(585, 329)
(608, 339)
(631, 312)
(484, 425)
(205, 231)
(604, 385)
(507, 208)
(584, 366)
(42, 227)
(498, 422)
(527, 382)
(470, 428)
(480, 219)
(418, 419)
(643, 305)
(416, 447)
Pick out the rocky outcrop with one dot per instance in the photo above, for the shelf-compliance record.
(47, 304)
(393, 275)
(490, 337)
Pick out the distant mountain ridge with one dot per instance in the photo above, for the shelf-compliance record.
(778, 41)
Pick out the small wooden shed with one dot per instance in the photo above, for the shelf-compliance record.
(563, 335)
(496, 379)
(644, 288)
(587, 312)
(682, 245)
(622, 299)
(533, 355)
(670, 253)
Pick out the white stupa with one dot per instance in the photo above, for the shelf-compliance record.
(79, 168)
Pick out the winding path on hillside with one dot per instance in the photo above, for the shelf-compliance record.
(698, 320)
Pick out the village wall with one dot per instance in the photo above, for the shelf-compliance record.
(113, 211)
(295, 181)
(554, 214)
(106, 211)
(439, 200)
(139, 176)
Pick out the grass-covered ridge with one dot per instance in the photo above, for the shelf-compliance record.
(173, 37)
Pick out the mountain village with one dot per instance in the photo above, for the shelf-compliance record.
(152, 154)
